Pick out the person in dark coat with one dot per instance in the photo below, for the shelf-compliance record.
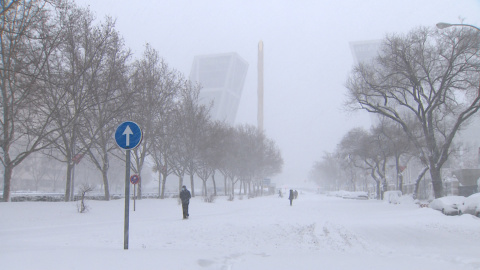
(185, 197)
(291, 197)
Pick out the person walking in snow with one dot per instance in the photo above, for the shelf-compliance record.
(291, 197)
(185, 197)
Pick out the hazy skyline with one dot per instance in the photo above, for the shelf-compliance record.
(307, 55)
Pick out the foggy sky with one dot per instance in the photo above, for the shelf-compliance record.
(307, 56)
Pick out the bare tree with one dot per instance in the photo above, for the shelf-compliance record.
(28, 38)
(7, 5)
(190, 121)
(164, 137)
(195, 124)
(326, 172)
(210, 151)
(155, 85)
(39, 170)
(55, 173)
(251, 157)
(224, 157)
(349, 172)
(79, 70)
(229, 157)
(111, 98)
(271, 161)
(367, 151)
(428, 76)
(160, 150)
(398, 143)
(84, 189)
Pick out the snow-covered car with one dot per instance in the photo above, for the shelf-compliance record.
(471, 205)
(392, 196)
(448, 205)
(356, 195)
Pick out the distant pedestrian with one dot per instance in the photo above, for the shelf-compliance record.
(185, 197)
(280, 193)
(295, 193)
(291, 196)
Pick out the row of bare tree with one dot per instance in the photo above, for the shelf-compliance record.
(67, 82)
(366, 155)
(424, 88)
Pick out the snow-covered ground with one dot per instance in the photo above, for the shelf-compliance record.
(317, 232)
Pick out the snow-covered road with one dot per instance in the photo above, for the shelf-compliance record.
(317, 232)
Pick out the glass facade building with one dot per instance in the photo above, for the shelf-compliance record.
(364, 51)
(222, 77)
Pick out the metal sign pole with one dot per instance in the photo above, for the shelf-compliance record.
(127, 199)
(127, 136)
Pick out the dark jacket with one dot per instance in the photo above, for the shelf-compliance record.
(185, 196)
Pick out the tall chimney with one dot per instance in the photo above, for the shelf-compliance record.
(260, 87)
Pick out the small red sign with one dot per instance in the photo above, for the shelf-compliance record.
(134, 179)
(77, 158)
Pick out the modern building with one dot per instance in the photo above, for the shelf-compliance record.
(364, 51)
(222, 77)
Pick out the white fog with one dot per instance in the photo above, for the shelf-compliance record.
(307, 59)
(307, 55)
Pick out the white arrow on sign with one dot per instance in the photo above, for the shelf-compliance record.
(127, 132)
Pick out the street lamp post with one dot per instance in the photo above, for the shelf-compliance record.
(442, 25)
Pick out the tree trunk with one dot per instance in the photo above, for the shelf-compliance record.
(105, 184)
(7, 175)
(397, 165)
(378, 190)
(384, 187)
(233, 188)
(214, 185)
(68, 187)
(400, 182)
(192, 185)
(377, 181)
(417, 182)
(225, 184)
(180, 183)
(352, 179)
(164, 180)
(160, 182)
(205, 187)
(139, 186)
(437, 182)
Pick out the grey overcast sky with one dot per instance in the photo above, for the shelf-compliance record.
(306, 55)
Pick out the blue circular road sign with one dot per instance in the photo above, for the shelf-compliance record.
(134, 179)
(128, 135)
